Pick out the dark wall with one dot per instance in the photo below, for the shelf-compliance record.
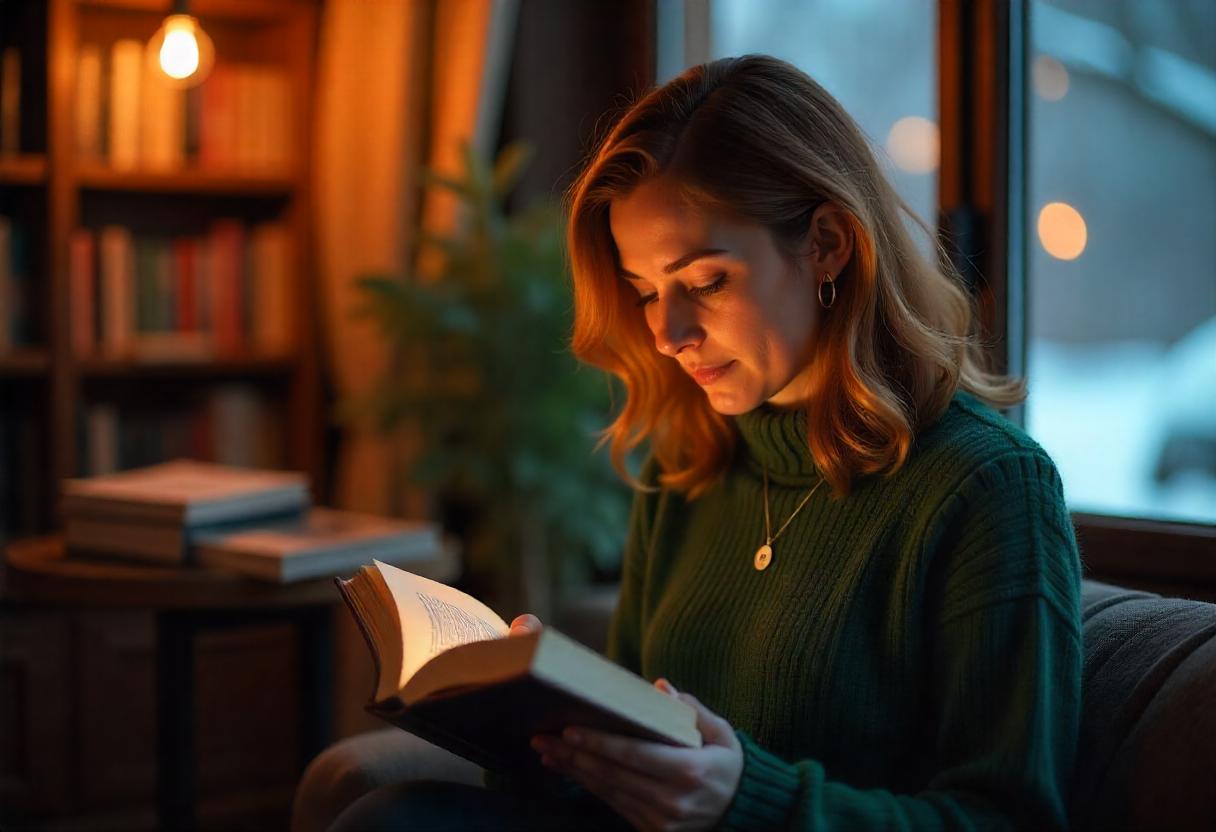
(575, 67)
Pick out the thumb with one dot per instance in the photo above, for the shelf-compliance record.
(714, 729)
(525, 624)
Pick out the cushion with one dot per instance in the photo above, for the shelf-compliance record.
(1147, 755)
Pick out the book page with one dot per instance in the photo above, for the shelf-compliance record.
(434, 617)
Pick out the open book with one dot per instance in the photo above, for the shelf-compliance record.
(447, 672)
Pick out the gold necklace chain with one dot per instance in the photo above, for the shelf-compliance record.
(764, 555)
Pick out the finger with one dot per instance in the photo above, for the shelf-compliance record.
(653, 760)
(714, 729)
(524, 624)
(666, 687)
(642, 813)
(609, 774)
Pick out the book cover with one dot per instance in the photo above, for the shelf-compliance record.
(322, 543)
(187, 492)
(134, 539)
(446, 671)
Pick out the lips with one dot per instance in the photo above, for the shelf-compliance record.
(708, 375)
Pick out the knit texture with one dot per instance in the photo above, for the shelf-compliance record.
(911, 659)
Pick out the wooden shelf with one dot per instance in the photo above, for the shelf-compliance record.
(23, 169)
(24, 363)
(217, 367)
(246, 10)
(189, 181)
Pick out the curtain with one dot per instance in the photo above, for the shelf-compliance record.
(400, 84)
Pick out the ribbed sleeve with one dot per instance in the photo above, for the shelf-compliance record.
(912, 657)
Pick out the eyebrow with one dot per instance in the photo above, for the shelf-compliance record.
(676, 265)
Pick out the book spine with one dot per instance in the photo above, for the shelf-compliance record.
(227, 269)
(126, 71)
(216, 119)
(10, 100)
(102, 439)
(186, 294)
(88, 103)
(271, 275)
(82, 280)
(162, 120)
(117, 290)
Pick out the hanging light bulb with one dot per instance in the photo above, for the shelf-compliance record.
(182, 50)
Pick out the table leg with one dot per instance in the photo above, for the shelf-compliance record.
(176, 773)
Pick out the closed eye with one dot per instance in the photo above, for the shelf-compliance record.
(700, 291)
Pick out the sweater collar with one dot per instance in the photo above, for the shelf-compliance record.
(777, 440)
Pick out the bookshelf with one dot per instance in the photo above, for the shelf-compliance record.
(83, 692)
(64, 181)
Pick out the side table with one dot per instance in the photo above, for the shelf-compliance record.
(186, 602)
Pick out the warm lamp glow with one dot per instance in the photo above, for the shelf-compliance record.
(1050, 78)
(1062, 230)
(182, 49)
(179, 54)
(914, 144)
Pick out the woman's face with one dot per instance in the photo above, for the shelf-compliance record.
(719, 298)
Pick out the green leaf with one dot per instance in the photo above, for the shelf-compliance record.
(509, 167)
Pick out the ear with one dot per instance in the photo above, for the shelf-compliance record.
(830, 240)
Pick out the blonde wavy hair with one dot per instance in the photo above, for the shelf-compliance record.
(756, 138)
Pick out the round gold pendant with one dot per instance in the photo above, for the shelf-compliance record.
(764, 556)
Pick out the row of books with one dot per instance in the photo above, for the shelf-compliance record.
(16, 323)
(151, 297)
(130, 115)
(232, 424)
(256, 521)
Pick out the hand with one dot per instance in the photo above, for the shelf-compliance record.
(525, 624)
(652, 785)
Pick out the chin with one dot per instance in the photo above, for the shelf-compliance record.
(729, 403)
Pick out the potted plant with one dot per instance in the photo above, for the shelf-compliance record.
(482, 375)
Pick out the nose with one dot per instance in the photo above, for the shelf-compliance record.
(675, 326)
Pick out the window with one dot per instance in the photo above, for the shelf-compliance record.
(1121, 253)
(877, 58)
(1105, 115)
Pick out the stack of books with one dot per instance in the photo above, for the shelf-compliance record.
(256, 522)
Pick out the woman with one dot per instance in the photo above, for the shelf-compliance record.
(867, 578)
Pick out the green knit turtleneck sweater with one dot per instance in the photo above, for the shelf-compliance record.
(911, 659)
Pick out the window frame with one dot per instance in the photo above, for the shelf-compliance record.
(983, 52)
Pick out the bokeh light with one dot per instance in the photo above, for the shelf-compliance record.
(1062, 231)
(914, 144)
(1049, 77)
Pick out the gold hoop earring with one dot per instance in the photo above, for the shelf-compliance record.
(830, 282)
